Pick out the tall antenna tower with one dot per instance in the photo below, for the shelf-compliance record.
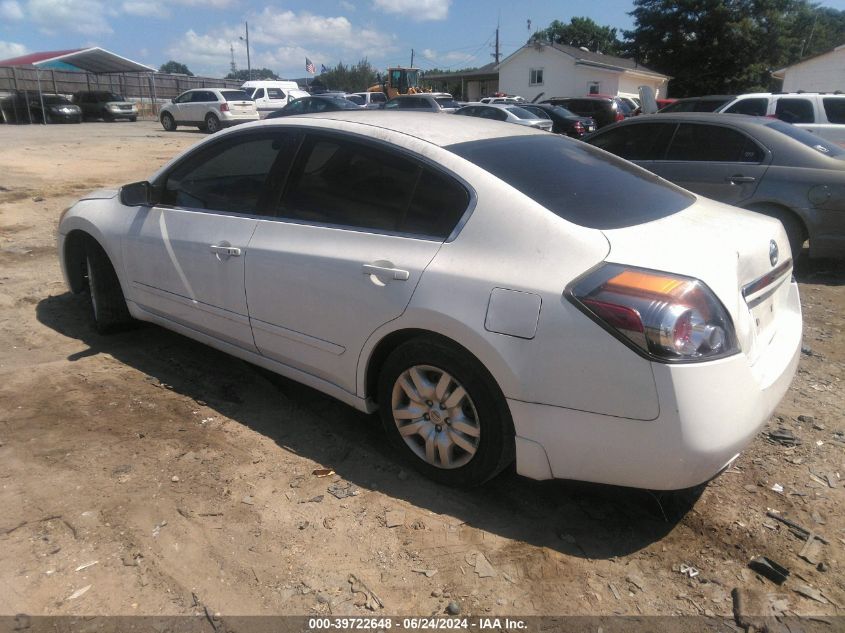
(232, 66)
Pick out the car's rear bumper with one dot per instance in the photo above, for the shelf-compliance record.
(709, 412)
(228, 120)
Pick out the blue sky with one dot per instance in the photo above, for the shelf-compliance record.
(199, 33)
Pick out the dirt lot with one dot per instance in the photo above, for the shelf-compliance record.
(144, 473)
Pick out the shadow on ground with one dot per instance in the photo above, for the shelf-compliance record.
(585, 520)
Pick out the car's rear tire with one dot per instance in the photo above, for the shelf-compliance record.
(212, 124)
(444, 413)
(108, 305)
(168, 122)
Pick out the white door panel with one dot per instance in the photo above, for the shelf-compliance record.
(312, 302)
(188, 266)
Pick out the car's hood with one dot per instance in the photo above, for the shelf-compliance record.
(725, 247)
(100, 194)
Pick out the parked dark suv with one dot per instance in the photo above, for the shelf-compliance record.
(603, 110)
(26, 107)
(105, 105)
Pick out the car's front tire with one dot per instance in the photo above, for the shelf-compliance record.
(444, 412)
(108, 305)
(212, 124)
(168, 122)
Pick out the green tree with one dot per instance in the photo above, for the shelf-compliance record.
(175, 68)
(729, 46)
(349, 78)
(257, 73)
(582, 32)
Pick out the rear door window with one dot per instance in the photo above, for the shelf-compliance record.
(752, 107)
(343, 182)
(576, 181)
(834, 108)
(713, 143)
(795, 110)
(275, 93)
(641, 141)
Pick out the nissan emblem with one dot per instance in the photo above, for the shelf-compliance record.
(773, 252)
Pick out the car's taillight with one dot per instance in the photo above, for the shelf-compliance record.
(663, 316)
(619, 116)
(578, 127)
(224, 107)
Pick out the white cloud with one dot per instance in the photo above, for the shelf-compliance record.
(281, 40)
(11, 49)
(347, 6)
(145, 8)
(80, 16)
(215, 4)
(11, 10)
(447, 59)
(417, 10)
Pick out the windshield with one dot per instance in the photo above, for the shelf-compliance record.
(807, 138)
(561, 174)
(358, 99)
(344, 103)
(522, 113)
(55, 100)
(235, 95)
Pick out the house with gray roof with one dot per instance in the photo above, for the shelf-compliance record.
(558, 70)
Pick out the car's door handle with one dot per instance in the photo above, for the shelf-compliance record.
(225, 249)
(395, 273)
(740, 178)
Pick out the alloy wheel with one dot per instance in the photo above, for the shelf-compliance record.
(435, 416)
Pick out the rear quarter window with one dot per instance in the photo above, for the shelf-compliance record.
(834, 108)
(575, 181)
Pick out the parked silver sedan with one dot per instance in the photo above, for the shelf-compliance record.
(757, 163)
(508, 113)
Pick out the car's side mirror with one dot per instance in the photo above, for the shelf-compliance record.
(138, 194)
(173, 100)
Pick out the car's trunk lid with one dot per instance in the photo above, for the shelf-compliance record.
(742, 256)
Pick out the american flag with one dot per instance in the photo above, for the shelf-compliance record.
(310, 67)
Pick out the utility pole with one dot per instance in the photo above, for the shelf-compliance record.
(496, 54)
(412, 58)
(248, 64)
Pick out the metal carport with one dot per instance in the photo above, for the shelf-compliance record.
(94, 60)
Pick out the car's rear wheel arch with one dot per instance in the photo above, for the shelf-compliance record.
(392, 341)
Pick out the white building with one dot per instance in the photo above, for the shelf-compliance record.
(822, 73)
(558, 70)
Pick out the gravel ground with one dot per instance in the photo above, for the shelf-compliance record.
(144, 473)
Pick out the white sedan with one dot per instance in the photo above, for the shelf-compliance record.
(497, 293)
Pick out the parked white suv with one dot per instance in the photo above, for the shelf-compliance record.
(370, 100)
(822, 113)
(209, 109)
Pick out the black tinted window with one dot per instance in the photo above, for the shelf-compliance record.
(227, 177)
(834, 108)
(378, 97)
(712, 143)
(642, 141)
(795, 110)
(336, 181)
(753, 107)
(562, 175)
(275, 93)
(232, 95)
